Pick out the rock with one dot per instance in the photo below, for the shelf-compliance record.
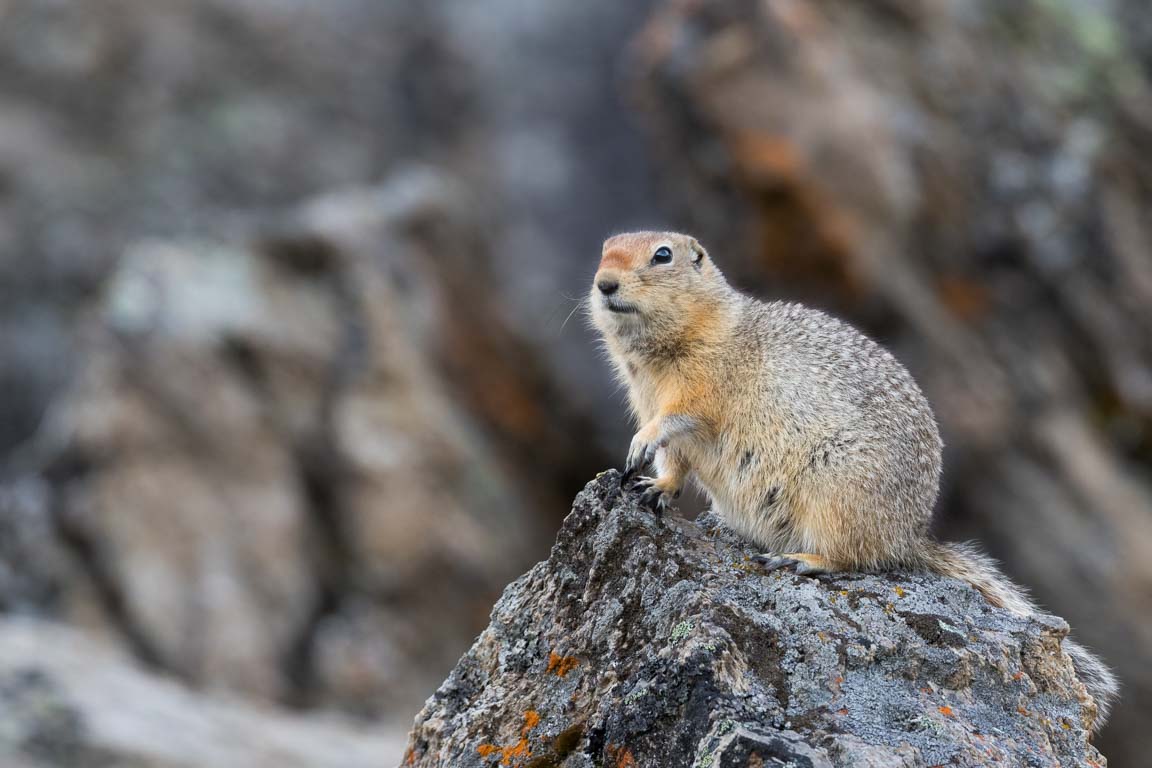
(71, 702)
(640, 643)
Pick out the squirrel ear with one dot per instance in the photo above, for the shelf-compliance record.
(698, 250)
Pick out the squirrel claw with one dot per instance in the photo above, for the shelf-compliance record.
(652, 496)
(640, 455)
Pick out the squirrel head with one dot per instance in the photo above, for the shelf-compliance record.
(654, 289)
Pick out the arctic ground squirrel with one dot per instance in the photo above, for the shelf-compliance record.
(810, 439)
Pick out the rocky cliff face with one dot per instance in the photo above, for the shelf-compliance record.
(639, 644)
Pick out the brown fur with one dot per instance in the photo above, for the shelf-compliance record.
(809, 438)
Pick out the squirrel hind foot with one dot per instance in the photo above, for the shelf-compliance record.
(802, 563)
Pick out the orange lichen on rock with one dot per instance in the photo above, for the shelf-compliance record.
(946, 711)
(622, 756)
(561, 665)
(517, 752)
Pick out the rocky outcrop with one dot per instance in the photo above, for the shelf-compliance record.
(959, 178)
(640, 643)
(72, 702)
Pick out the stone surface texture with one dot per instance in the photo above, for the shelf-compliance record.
(641, 643)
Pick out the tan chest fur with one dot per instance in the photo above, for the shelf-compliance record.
(749, 455)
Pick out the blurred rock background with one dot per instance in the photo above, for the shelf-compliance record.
(289, 386)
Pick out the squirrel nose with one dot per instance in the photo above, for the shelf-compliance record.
(607, 286)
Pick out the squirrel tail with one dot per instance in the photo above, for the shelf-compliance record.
(969, 564)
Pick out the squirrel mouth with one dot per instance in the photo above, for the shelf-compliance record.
(619, 307)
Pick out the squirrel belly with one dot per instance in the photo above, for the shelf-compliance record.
(810, 439)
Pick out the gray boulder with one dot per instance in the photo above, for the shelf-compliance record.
(646, 643)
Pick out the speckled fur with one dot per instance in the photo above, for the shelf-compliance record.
(811, 440)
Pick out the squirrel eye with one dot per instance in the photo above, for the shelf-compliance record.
(663, 255)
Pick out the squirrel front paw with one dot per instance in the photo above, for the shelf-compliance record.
(656, 494)
(640, 455)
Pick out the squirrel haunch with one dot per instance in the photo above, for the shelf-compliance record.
(810, 439)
